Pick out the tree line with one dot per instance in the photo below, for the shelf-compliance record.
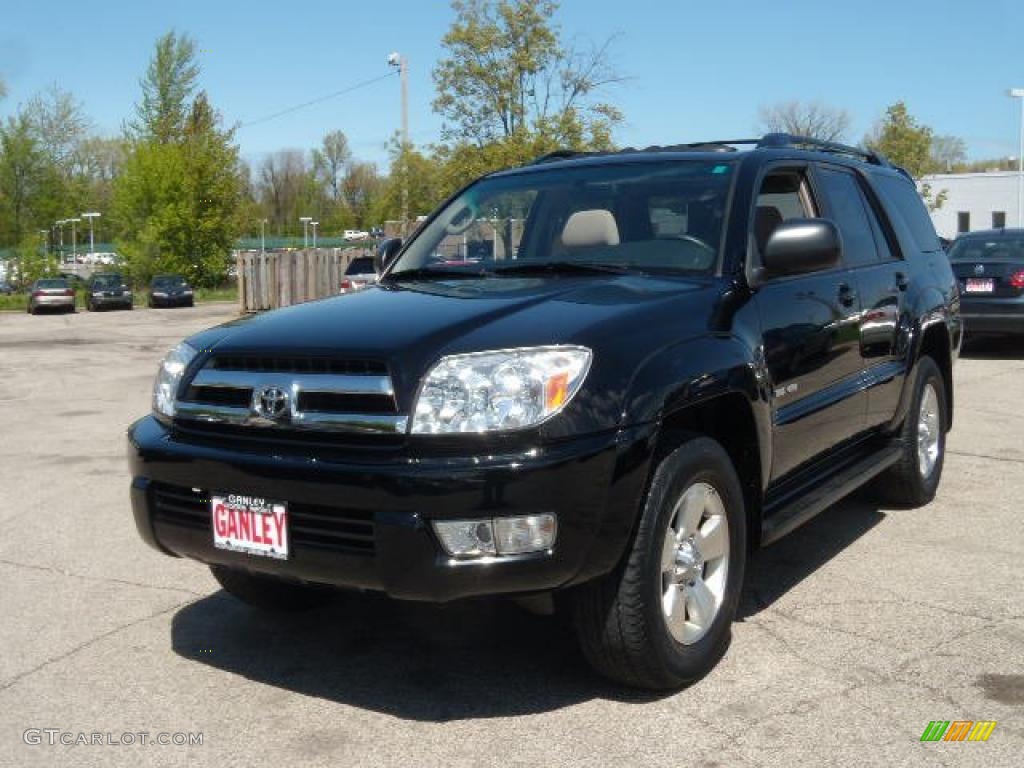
(175, 194)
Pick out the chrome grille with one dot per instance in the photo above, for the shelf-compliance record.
(311, 393)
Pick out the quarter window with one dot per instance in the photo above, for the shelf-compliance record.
(998, 219)
(963, 222)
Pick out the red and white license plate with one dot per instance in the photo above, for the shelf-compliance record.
(980, 285)
(250, 524)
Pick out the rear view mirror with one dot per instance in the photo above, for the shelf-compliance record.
(386, 253)
(798, 246)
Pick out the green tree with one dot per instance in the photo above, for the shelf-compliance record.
(908, 144)
(507, 79)
(178, 200)
(167, 89)
(24, 178)
(59, 123)
(330, 161)
(425, 182)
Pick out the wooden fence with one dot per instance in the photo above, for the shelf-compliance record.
(281, 278)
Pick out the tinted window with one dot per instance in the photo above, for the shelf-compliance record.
(901, 200)
(107, 281)
(848, 210)
(1007, 248)
(53, 283)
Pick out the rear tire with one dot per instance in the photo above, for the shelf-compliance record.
(627, 622)
(913, 480)
(268, 593)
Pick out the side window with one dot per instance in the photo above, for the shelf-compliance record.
(784, 195)
(849, 212)
(901, 200)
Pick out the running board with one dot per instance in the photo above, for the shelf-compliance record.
(837, 487)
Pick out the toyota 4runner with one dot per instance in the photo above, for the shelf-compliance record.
(599, 380)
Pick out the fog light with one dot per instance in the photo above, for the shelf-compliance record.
(518, 535)
(466, 538)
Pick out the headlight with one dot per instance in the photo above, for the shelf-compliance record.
(497, 391)
(168, 377)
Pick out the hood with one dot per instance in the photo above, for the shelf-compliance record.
(411, 325)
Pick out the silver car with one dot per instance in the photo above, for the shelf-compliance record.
(358, 275)
(51, 293)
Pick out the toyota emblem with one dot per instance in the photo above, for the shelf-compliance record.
(979, 269)
(271, 403)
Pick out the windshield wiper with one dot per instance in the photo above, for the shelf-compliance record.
(428, 272)
(563, 268)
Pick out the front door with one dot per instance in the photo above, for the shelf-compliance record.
(810, 335)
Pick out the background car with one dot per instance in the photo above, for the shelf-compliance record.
(51, 293)
(170, 291)
(359, 274)
(355, 234)
(989, 265)
(107, 289)
(6, 289)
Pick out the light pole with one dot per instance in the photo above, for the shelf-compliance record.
(263, 235)
(90, 216)
(398, 60)
(74, 251)
(1018, 93)
(60, 233)
(314, 225)
(305, 230)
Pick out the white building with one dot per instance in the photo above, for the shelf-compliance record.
(975, 201)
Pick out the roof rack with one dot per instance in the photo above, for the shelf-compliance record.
(768, 141)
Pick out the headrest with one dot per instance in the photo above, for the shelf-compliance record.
(590, 228)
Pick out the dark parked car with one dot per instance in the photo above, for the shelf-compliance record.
(6, 289)
(990, 268)
(107, 289)
(51, 293)
(359, 274)
(673, 356)
(170, 291)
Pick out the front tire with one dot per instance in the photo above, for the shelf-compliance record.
(914, 479)
(662, 619)
(268, 593)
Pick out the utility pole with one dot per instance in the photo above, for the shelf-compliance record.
(92, 242)
(398, 60)
(263, 235)
(314, 225)
(60, 231)
(1018, 93)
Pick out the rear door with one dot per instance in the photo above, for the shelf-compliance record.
(881, 279)
(810, 335)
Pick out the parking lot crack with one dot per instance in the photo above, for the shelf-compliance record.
(88, 643)
(104, 579)
(990, 457)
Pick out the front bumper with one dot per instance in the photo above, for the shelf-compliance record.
(992, 315)
(593, 484)
(53, 301)
(120, 301)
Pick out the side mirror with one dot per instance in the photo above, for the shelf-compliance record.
(799, 246)
(386, 253)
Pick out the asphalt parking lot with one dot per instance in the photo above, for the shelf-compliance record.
(855, 631)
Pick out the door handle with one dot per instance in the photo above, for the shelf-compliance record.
(901, 282)
(847, 296)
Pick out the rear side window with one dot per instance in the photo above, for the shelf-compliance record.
(849, 211)
(900, 198)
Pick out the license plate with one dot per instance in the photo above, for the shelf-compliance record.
(250, 524)
(980, 285)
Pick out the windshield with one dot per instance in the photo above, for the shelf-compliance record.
(168, 282)
(664, 217)
(107, 281)
(55, 283)
(1002, 248)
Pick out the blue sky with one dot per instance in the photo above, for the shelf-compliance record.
(697, 70)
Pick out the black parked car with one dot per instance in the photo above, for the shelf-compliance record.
(990, 268)
(107, 289)
(694, 350)
(170, 291)
(6, 289)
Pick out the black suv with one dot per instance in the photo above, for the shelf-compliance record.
(664, 359)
